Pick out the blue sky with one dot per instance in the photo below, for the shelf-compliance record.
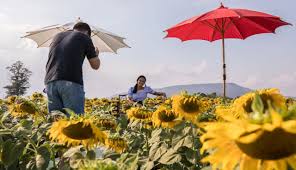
(261, 61)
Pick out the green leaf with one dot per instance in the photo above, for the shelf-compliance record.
(190, 155)
(186, 141)
(128, 162)
(5, 132)
(170, 157)
(187, 130)
(156, 133)
(42, 158)
(180, 126)
(31, 165)
(5, 115)
(91, 155)
(111, 154)
(75, 160)
(157, 136)
(70, 112)
(72, 151)
(40, 162)
(132, 163)
(27, 124)
(157, 150)
(122, 158)
(11, 152)
(257, 104)
(122, 121)
(148, 166)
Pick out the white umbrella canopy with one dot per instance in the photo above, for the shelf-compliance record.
(105, 41)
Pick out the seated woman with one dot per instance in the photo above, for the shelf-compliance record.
(139, 92)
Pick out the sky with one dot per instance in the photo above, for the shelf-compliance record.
(261, 61)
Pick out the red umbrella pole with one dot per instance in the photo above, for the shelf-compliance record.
(224, 66)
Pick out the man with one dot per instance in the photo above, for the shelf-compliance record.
(63, 80)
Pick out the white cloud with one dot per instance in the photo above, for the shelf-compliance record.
(284, 80)
(251, 81)
(171, 74)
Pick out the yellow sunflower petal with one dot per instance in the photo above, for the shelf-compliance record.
(276, 118)
(292, 161)
(274, 165)
(250, 137)
(248, 163)
(232, 159)
(289, 126)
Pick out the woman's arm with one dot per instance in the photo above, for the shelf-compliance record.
(151, 91)
(130, 95)
(159, 94)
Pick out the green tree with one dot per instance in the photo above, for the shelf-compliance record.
(19, 79)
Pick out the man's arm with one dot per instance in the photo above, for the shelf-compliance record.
(95, 61)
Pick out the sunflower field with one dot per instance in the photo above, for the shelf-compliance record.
(256, 131)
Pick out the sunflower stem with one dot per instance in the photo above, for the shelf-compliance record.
(3, 126)
(31, 150)
(171, 139)
(193, 145)
(32, 143)
(147, 143)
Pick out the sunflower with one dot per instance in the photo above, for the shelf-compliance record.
(23, 108)
(165, 117)
(11, 100)
(266, 146)
(168, 101)
(76, 131)
(106, 164)
(152, 102)
(290, 102)
(106, 123)
(88, 106)
(188, 106)
(139, 113)
(116, 143)
(37, 97)
(242, 106)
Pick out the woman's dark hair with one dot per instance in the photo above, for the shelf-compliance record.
(82, 26)
(136, 86)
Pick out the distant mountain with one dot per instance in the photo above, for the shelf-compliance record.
(232, 90)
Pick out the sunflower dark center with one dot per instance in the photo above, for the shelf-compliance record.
(271, 145)
(118, 142)
(264, 97)
(78, 131)
(190, 107)
(166, 117)
(28, 108)
(141, 115)
(107, 123)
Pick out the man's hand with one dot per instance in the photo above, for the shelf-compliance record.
(95, 63)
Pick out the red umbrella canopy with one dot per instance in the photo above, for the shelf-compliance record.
(227, 22)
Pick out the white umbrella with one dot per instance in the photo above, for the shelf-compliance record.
(105, 41)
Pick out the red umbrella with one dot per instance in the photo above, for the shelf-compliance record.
(225, 23)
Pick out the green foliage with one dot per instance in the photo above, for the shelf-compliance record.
(19, 79)
(24, 142)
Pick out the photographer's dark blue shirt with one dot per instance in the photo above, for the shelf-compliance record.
(66, 55)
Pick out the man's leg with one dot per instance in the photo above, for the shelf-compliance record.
(54, 99)
(72, 95)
